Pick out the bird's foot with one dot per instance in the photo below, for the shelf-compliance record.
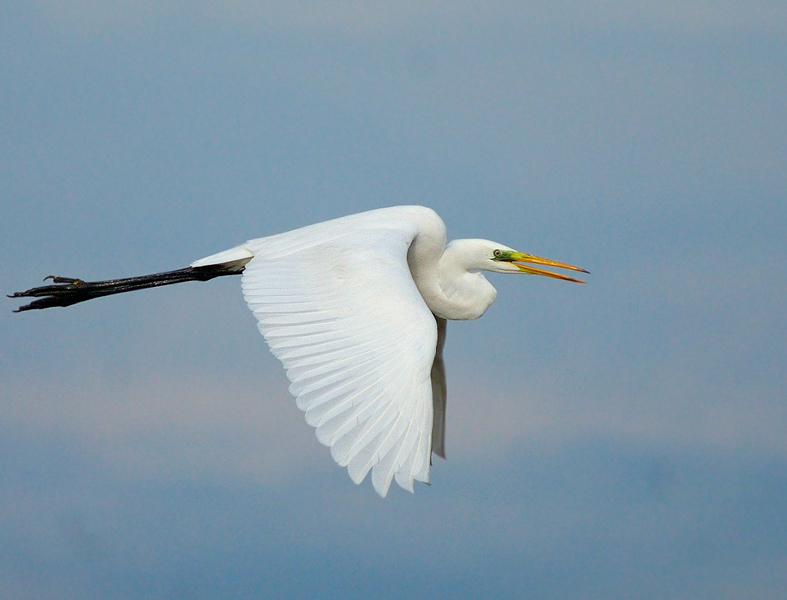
(60, 284)
(62, 292)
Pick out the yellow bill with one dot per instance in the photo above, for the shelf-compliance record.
(519, 257)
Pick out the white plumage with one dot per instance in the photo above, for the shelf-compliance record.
(355, 309)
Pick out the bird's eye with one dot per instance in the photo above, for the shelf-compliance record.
(497, 253)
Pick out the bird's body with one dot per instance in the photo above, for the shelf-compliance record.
(411, 235)
(355, 310)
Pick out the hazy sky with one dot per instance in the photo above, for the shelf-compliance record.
(623, 439)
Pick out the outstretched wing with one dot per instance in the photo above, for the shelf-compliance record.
(339, 308)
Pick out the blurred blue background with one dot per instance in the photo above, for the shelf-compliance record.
(623, 439)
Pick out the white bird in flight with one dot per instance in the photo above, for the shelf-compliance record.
(355, 309)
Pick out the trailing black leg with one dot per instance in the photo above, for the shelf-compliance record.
(66, 291)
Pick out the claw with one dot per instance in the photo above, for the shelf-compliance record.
(68, 280)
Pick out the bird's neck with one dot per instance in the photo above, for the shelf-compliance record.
(448, 288)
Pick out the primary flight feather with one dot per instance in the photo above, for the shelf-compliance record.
(355, 309)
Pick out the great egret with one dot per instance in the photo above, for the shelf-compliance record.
(355, 309)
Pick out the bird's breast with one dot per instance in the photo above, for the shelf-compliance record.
(462, 298)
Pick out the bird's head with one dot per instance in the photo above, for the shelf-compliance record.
(491, 256)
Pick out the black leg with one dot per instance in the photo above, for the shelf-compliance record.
(66, 291)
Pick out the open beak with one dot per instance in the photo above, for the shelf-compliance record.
(519, 257)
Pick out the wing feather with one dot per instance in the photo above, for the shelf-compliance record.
(339, 308)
